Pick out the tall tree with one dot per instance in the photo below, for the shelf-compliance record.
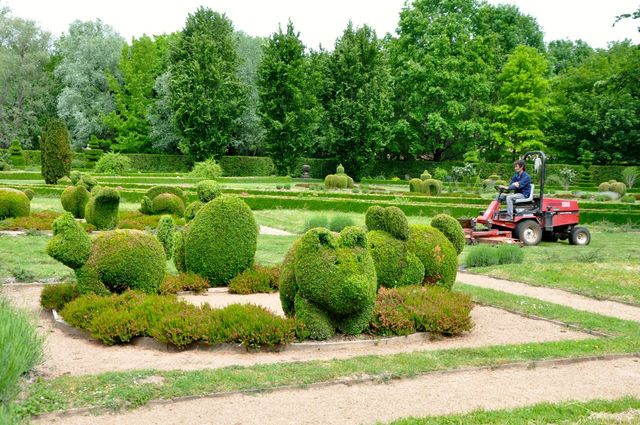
(286, 105)
(567, 54)
(28, 88)
(598, 104)
(360, 100)
(207, 96)
(139, 66)
(524, 100)
(89, 51)
(163, 131)
(442, 81)
(250, 132)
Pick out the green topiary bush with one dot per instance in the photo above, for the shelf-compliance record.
(604, 187)
(257, 279)
(192, 209)
(13, 203)
(451, 228)
(55, 297)
(429, 187)
(55, 150)
(102, 208)
(30, 193)
(74, 199)
(15, 152)
(618, 187)
(70, 243)
(165, 233)
(208, 190)
(415, 186)
(89, 182)
(167, 203)
(178, 250)
(208, 169)
(183, 282)
(329, 283)
(113, 163)
(436, 253)
(410, 309)
(387, 237)
(425, 175)
(339, 180)
(221, 240)
(158, 190)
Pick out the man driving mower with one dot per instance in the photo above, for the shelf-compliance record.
(520, 184)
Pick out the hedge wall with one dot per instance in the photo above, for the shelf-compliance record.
(244, 166)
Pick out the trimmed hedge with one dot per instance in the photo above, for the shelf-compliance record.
(436, 253)
(329, 282)
(247, 166)
(221, 240)
(257, 279)
(13, 203)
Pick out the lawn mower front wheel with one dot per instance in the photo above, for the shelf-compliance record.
(580, 236)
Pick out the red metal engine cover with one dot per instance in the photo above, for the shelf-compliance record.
(566, 211)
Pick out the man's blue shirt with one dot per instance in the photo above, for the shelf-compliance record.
(525, 184)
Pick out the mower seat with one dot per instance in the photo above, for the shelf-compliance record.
(526, 200)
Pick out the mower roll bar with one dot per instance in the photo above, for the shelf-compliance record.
(543, 170)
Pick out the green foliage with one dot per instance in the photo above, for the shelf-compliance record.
(436, 253)
(21, 349)
(519, 116)
(158, 190)
(119, 318)
(111, 262)
(425, 176)
(451, 228)
(183, 282)
(629, 176)
(89, 182)
(221, 241)
(167, 203)
(391, 220)
(56, 151)
(339, 222)
(165, 234)
(618, 187)
(13, 203)
(338, 181)
(316, 221)
(629, 199)
(113, 163)
(410, 309)
(55, 297)
(288, 108)
(208, 190)
(102, 208)
(192, 209)
(208, 169)
(257, 279)
(431, 187)
(15, 151)
(395, 266)
(70, 243)
(74, 199)
(179, 251)
(486, 255)
(329, 283)
(30, 193)
(207, 96)
(244, 166)
(139, 66)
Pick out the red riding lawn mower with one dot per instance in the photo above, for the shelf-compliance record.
(535, 218)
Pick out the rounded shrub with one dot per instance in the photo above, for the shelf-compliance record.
(221, 241)
(30, 193)
(165, 233)
(75, 177)
(74, 199)
(88, 181)
(451, 228)
(125, 259)
(339, 169)
(604, 187)
(158, 190)
(167, 203)
(192, 209)
(391, 220)
(113, 163)
(70, 243)
(395, 266)
(432, 187)
(436, 253)
(178, 250)
(208, 190)
(329, 283)
(425, 175)
(208, 169)
(13, 203)
(102, 208)
(618, 187)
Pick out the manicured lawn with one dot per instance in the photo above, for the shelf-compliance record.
(608, 268)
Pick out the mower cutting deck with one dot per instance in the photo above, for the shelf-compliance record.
(535, 219)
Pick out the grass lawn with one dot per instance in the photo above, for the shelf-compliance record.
(608, 268)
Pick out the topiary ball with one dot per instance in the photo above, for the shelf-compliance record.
(74, 200)
(208, 190)
(436, 253)
(30, 193)
(452, 229)
(13, 203)
(604, 187)
(167, 203)
(221, 242)
(125, 259)
(391, 220)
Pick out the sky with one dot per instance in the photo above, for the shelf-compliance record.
(319, 22)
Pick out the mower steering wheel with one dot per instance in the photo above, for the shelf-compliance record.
(498, 188)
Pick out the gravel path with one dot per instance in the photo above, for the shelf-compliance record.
(434, 394)
(77, 355)
(557, 296)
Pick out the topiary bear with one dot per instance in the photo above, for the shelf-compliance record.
(220, 242)
(164, 200)
(113, 262)
(451, 228)
(102, 208)
(436, 253)
(74, 199)
(388, 235)
(339, 180)
(329, 282)
(13, 203)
